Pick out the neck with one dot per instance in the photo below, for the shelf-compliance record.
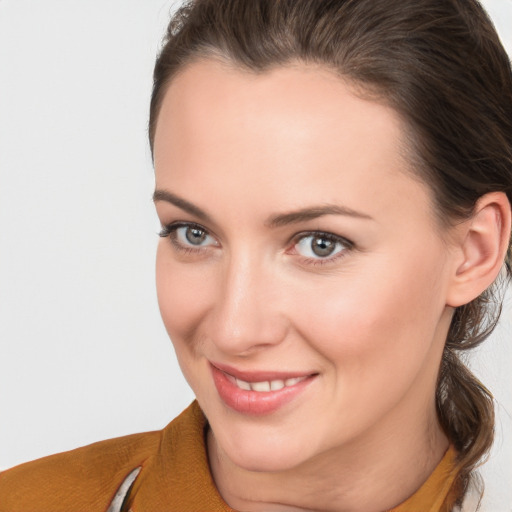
(375, 472)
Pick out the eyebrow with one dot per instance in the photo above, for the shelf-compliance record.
(165, 195)
(275, 221)
(313, 212)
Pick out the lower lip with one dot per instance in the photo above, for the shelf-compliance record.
(254, 402)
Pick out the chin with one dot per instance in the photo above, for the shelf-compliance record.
(264, 449)
(266, 460)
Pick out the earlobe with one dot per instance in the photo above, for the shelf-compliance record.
(484, 241)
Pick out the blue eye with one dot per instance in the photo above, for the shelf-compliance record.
(188, 236)
(193, 235)
(320, 246)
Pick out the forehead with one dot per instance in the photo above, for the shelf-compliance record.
(291, 132)
(296, 102)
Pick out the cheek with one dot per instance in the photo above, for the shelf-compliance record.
(182, 294)
(374, 329)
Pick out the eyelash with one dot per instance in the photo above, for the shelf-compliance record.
(171, 229)
(347, 246)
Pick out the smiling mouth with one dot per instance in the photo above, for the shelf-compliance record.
(257, 393)
(266, 385)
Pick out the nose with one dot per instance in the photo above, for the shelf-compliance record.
(247, 316)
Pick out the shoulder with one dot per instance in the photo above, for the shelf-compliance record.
(174, 474)
(87, 476)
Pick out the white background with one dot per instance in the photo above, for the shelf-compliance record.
(83, 353)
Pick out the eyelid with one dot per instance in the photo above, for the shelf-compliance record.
(348, 246)
(319, 233)
(169, 230)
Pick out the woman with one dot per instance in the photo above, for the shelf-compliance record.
(333, 180)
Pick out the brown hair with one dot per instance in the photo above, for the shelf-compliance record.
(440, 65)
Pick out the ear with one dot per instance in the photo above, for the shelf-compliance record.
(483, 241)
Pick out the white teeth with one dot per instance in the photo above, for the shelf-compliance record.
(266, 386)
(260, 386)
(243, 385)
(276, 385)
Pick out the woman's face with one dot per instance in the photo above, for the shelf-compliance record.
(303, 279)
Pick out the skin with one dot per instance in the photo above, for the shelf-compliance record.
(370, 322)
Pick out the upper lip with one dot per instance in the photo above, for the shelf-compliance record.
(257, 375)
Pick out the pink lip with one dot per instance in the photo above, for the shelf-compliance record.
(254, 402)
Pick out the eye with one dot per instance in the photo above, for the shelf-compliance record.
(321, 246)
(188, 236)
(192, 235)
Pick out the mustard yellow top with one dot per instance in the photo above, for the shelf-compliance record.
(174, 476)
